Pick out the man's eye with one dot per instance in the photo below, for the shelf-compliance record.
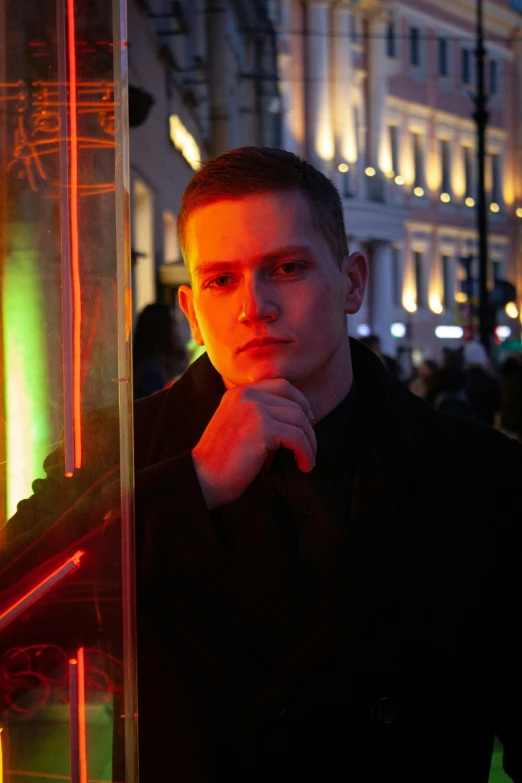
(219, 282)
(290, 268)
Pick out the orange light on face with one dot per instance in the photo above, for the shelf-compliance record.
(40, 589)
(75, 256)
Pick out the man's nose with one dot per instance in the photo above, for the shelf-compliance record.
(258, 303)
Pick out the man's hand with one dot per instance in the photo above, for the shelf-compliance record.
(250, 425)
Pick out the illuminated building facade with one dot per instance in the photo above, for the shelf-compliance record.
(380, 95)
(210, 68)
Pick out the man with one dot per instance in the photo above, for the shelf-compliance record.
(323, 560)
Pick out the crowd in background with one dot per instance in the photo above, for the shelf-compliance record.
(467, 383)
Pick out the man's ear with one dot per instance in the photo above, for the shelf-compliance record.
(355, 267)
(186, 302)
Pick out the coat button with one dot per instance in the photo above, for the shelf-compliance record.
(385, 710)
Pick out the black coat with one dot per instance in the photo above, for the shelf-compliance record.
(429, 671)
(415, 677)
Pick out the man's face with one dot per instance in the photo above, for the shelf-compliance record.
(261, 272)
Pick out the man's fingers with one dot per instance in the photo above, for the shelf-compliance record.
(294, 439)
(283, 389)
(296, 417)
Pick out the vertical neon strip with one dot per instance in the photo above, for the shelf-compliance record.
(25, 362)
(82, 724)
(75, 256)
(65, 241)
(1, 758)
(73, 725)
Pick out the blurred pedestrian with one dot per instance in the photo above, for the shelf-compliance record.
(158, 354)
(510, 414)
(423, 379)
(448, 393)
(482, 387)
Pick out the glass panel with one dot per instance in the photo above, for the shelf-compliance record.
(67, 654)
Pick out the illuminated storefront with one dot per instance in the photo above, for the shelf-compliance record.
(67, 680)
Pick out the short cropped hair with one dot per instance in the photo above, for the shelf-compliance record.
(246, 171)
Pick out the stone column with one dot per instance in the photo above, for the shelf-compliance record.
(377, 88)
(345, 141)
(319, 85)
(434, 275)
(381, 294)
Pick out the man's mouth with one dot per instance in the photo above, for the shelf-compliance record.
(259, 342)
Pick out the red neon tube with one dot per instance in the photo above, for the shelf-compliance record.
(75, 255)
(43, 587)
(78, 726)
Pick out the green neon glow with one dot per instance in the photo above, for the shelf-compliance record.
(26, 383)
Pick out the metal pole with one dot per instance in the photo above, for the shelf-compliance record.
(480, 116)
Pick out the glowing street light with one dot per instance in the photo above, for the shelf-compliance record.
(343, 167)
(418, 191)
(469, 202)
(494, 207)
(399, 179)
(369, 171)
(398, 329)
(445, 197)
(449, 332)
(511, 310)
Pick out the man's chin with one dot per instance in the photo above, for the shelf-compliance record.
(256, 374)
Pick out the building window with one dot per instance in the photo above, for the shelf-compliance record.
(414, 46)
(396, 277)
(465, 66)
(445, 166)
(418, 164)
(443, 58)
(468, 172)
(274, 11)
(418, 265)
(391, 41)
(495, 176)
(394, 148)
(354, 28)
(493, 77)
(447, 293)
